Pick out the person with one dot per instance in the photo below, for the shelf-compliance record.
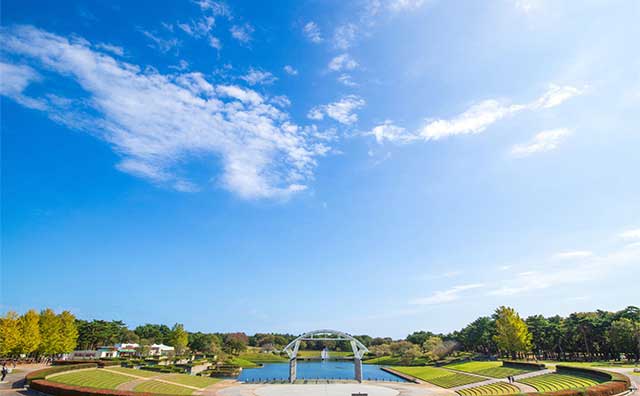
(4, 371)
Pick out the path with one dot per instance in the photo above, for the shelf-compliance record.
(14, 383)
(374, 388)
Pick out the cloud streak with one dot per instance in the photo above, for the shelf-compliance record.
(158, 122)
(445, 296)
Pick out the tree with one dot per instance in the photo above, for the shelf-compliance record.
(50, 333)
(419, 337)
(155, 333)
(68, 332)
(204, 343)
(30, 330)
(9, 334)
(234, 343)
(512, 334)
(178, 338)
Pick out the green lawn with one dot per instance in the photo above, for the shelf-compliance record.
(161, 388)
(553, 363)
(317, 354)
(394, 361)
(499, 388)
(191, 380)
(96, 378)
(258, 357)
(489, 369)
(136, 372)
(555, 382)
(438, 376)
(242, 362)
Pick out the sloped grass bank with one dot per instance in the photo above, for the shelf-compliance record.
(488, 369)
(96, 378)
(499, 388)
(438, 376)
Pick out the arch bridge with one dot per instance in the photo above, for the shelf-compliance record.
(326, 335)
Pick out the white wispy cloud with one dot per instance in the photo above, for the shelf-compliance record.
(574, 254)
(342, 62)
(631, 235)
(312, 32)
(290, 70)
(161, 44)
(445, 296)
(387, 131)
(158, 122)
(242, 33)
(589, 268)
(541, 142)
(345, 79)
(255, 76)
(341, 110)
(404, 5)
(215, 42)
(114, 49)
(198, 28)
(477, 118)
(344, 36)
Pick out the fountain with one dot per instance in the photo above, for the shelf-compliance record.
(325, 354)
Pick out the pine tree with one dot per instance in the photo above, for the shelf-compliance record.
(512, 333)
(30, 330)
(9, 334)
(50, 333)
(69, 332)
(179, 338)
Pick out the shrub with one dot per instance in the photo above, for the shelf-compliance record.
(56, 389)
(42, 374)
(524, 365)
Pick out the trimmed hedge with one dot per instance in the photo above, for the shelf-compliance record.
(42, 374)
(523, 365)
(56, 389)
(607, 389)
(600, 374)
(100, 363)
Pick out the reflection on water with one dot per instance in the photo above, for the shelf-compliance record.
(316, 370)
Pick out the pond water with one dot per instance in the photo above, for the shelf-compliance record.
(330, 369)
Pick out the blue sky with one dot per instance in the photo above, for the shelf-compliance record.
(373, 166)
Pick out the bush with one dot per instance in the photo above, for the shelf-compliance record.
(523, 365)
(53, 388)
(100, 363)
(42, 374)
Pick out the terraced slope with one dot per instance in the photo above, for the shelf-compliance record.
(160, 388)
(489, 369)
(96, 378)
(190, 380)
(555, 382)
(499, 388)
(136, 372)
(440, 377)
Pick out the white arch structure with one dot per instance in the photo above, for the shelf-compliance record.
(326, 335)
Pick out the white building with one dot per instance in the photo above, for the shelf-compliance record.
(160, 350)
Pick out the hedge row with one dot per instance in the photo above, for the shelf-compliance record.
(600, 374)
(100, 363)
(56, 389)
(42, 374)
(523, 365)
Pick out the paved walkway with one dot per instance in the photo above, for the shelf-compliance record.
(14, 383)
(371, 388)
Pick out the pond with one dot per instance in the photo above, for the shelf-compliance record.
(329, 369)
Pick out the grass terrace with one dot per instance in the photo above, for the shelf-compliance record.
(244, 363)
(95, 378)
(499, 388)
(190, 380)
(488, 369)
(136, 372)
(161, 388)
(556, 382)
(438, 376)
(258, 357)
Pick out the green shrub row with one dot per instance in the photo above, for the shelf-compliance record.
(42, 374)
(523, 365)
(99, 363)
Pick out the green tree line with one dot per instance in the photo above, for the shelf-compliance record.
(37, 334)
